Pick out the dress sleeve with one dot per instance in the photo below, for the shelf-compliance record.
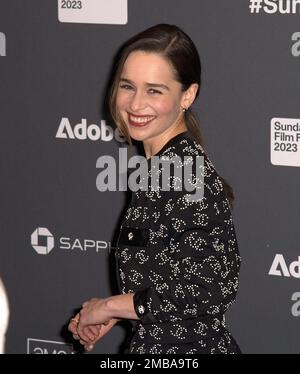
(202, 257)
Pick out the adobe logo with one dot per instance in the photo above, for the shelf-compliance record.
(36, 235)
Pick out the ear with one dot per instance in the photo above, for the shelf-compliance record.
(189, 95)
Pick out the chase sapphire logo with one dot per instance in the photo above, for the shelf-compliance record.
(40, 234)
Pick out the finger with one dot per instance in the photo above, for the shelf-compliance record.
(94, 330)
(89, 347)
(76, 337)
(88, 331)
(81, 331)
(72, 328)
(73, 323)
(75, 319)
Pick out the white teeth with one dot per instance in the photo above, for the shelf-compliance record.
(140, 119)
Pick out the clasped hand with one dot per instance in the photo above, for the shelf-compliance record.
(91, 323)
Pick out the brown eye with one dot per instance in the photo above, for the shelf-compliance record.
(153, 91)
(126, 87)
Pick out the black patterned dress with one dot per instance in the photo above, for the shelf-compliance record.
(180, 258)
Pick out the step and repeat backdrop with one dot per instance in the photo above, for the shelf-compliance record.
(57, 228)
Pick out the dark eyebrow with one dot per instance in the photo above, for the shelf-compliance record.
(157, 85)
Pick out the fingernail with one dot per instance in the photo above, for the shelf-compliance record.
(91, 347)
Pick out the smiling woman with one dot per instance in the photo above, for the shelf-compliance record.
(177, 259)
(151, 101)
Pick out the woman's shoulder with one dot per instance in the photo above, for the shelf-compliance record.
(192, 168)
(184, 150)
(182, 145)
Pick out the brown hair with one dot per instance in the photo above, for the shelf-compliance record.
(179, 50)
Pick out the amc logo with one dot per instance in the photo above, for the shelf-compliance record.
(46, 347)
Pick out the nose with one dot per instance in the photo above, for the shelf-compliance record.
(137, 101)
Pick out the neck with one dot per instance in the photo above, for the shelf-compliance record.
(153, 145)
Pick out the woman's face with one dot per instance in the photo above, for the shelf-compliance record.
(148, 96)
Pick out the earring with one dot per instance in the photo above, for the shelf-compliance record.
(183, 109)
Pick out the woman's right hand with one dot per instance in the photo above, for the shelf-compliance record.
(103, 329)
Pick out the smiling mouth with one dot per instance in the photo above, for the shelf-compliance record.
(139, 121)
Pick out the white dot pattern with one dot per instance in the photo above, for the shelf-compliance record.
(186, 276)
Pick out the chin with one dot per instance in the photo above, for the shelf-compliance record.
(138, 134)
(137, 137)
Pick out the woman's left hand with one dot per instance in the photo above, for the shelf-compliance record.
(93, 312)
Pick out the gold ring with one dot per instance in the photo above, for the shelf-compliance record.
(76, 320)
